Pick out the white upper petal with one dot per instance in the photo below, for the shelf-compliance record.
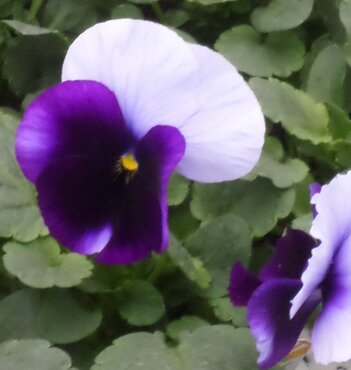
(158, 78)
(332, 226)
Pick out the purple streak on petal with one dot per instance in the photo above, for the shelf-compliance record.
(269, 321)
(315, 188)
(71, 119)
(331, 335)
(290, 257)
(242, 285)
(140, 226)
(74, 198)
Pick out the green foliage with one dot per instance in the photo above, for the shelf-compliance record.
(296, 55)
(66, 316)
(19, 214)
(299, 114)
(279, 15)
(279, 53)
(241, 198)
(40, 264)
(32, 354)
(136, 294)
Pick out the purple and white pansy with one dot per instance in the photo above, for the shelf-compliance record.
(136, 103)
(301, 276)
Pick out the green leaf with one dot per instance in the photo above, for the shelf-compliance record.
(192, 268)
(303, 223)
(345, 14)
(126, 11)
(25, 28)
(19, 214)
(218, 347)
(339, 122)
(259, 203)
(18, 312)
(184, 326)
(225, 311)
(325, 81)
(66, 316)
(32, 354)
(69, 15)
(178, 189)
(283, 172)
(40, 264)
(34, 62)
(279, 53)
(279, 15)
(181, 221)
(136, 351)
(143, 1)
(139, 303)
(176, 17)
(209, 2)
(299, 114)
(218, 244)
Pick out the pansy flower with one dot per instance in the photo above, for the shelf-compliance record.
(136, 103)
(304, 273)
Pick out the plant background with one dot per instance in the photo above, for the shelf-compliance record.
(62, 311)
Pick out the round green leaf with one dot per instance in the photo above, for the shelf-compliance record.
(126, 11)
(25, 28)
(345, 14)
(299, 114)
(279, 53)
(218, 244)
(19, 214)
(34, 62)
(218, 347)
(339, 122)
(209, 2)
(136, 351)
(185, 325)
(69, 15)
(192, 267)
(140, 303)
(66, 316)
(225, 311)
(283, 172)
(40, 264)
(18, 312)
(325, 81)
(279, 15)
(32, 354)
(258, 202)
(178, 189)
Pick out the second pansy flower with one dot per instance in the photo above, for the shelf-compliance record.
(137, 103)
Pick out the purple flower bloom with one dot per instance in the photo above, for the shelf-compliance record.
(299, 277)
(136, 104)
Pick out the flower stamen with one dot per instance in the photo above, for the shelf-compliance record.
(127, 166)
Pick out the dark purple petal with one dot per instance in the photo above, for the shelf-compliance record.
(71, 119)
(290, 257)
(269, 321)
(74, 198)
(242, 284)
(140, 223)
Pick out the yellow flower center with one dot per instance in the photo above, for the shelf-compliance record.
(129, 163)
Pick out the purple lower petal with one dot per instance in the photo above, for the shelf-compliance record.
(71, 119)
(290, 257)
(242, 285)
(269, 321)
(140, 224)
